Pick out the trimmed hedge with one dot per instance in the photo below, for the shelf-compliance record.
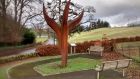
(17, 58)
(50, 50)
(47, 50)
(107, 44)
(82, 47)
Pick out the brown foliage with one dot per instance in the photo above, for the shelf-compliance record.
(111, 56)
(137, 38)
(47, 50)
(10, 33)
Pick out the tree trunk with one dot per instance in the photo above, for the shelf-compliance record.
(63, 45)
(63, 30)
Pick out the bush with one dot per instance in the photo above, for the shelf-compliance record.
(132, 39)
(48, 50)
(137, 38)
(108, 45)
(17, 58)
(82, 47)
(98, 43)
(28, 37)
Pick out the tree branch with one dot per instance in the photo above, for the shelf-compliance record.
(51, 22)
(65, 14)
(76, 21)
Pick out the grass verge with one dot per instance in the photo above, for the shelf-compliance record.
(41, 39)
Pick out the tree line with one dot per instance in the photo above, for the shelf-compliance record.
(93, 25)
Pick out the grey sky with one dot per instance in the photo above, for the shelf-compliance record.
(117, 12)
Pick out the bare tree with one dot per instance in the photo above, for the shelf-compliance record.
(3, 16)
(24, 10)
(39, 28)
(14, 15)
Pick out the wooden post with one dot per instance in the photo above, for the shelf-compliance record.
(139, 51)
(98, 75)
(71, 49)
(122, 48)
(74, 49)
(123, 72)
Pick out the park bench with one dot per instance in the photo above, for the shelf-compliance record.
(97, 49)
(116, 64)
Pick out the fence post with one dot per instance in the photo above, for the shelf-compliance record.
(139, 51)
(122, 50)
(129, 51)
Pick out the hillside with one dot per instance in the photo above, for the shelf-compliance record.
(110, 32)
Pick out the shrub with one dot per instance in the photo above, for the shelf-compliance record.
(28, 37)
(17, 58)
(47, 50)
(119, 40)
(137, 38)
(98, 42)
(132, 39)
(108, 45)
(82, 47)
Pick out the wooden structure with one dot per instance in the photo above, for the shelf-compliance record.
(124, 63)
(96, 49)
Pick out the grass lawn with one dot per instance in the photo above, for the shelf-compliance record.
(136, 58)
(76, 64)
(111, 33)
(3, 72)
(130, 47)
(41, 39)
(129, 44)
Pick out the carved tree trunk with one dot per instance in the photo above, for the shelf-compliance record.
(62, 31)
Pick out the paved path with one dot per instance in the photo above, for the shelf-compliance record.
(88, 74)
(26, 71)
(28, 51)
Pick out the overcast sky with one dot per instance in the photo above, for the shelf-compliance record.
(117, 12)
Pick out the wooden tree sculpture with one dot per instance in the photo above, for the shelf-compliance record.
(62, 31)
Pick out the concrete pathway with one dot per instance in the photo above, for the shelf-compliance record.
(28, 51)
(26, 71)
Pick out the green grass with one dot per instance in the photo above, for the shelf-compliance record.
(76, 64)
(97, 34)
(136, 58)
(127, 46)
(4, 68)
(3, 72)
(25, 68)
(41, 39)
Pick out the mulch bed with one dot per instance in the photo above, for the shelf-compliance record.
(110, 56)
(133, 73)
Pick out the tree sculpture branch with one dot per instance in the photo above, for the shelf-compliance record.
(62, 31)
(51, 22)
